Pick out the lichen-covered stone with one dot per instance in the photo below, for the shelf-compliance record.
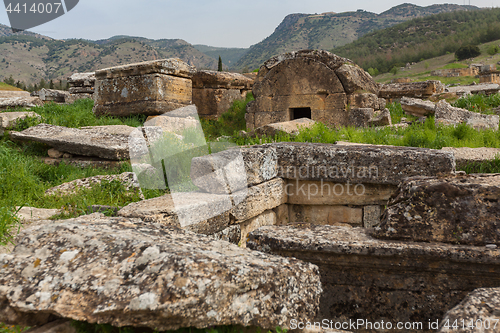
(221, 80)
(448, 115)
(19, 102)
(417, 107)
(466, 155)
(88, 142)
(127, 179)
(126, 272)
(212, 103)
(172, 66)
(378, 280)
(52, 95)
(9, 119)
(82, 83)
(478, 312)
(462, 209)
(412, 89)
(358, 164)
(291, 127)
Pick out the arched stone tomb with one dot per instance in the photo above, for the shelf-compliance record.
(311, 84)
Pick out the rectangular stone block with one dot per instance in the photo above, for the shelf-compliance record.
(336, 101)
(264, 118)
(266, 218)
(325, 215)
(257, 199)
(284, 103)
(382, 280)
(172, 66)
(331, 117)
(149, 94)
(305, 192)
(412, 89)
(359, 164)
(221, 80)
(282, 214)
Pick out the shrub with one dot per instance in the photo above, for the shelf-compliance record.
(466, 52)
(493, 49)
(373, 71)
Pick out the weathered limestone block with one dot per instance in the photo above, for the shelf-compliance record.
(305, 192)
(326, 215)
(478, 312)
(363, 100)
(150, 88)
(466, 155)
(221, 80)
(30, 214)
(127, 179)
(51, 95)
(358, 164)
(448, 115)
(231, 234)
(382, 280)
(371, 216)
(234, 169)
(355, 79)
(360, 117)
(19, 102)
(487, 89)
(88, 142)
(291, 127)
(207, 213)
(282, 214)
(82, 83)
(258, 199)
(381, 118)
(212, 103)
(417, 107)
(461, 209)
(9, 119)
(412, 89)
(173, 124)
(126, 272)
(85, 162)
(266, 218)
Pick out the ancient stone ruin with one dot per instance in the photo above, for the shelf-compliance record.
(214, 92)
(150, 88)
(310, 84)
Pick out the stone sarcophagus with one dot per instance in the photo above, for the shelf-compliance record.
(150, 88)
(214, 92)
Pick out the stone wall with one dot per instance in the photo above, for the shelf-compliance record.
(214, 92)
(455, 72)
(490, 78)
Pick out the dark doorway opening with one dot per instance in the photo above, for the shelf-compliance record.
(297, 113)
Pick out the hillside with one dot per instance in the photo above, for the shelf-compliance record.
(330, 30)
(229, 56)
(422, 38)
(29, 59)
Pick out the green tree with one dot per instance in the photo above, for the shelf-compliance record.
(466, 52)
(220, 65)
(51, 84)
(493, 49)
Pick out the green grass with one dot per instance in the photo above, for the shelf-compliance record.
(479, 103)
(454, 66)
(5, 86)
(76, 115)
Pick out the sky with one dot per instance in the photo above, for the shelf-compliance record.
(222, 23)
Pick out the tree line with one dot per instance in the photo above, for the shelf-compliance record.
(422, 38)
(58, 84)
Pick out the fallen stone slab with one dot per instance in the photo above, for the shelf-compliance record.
(19, 102)
(446, 114)
(84, 162)
(366, 100)
(460, 209)
(411, 89)
(127, 179)
(417, 107)
(82, 83)
(466, 155)
(491, 88)
(9, 119)
(354, 79)
(126, 272)
(173, 124)
(358, 163)
(51, 95)
(478, 312)
(234, 169)
(375, 280)
(291, 127)
(88, 142)
(381, 118)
